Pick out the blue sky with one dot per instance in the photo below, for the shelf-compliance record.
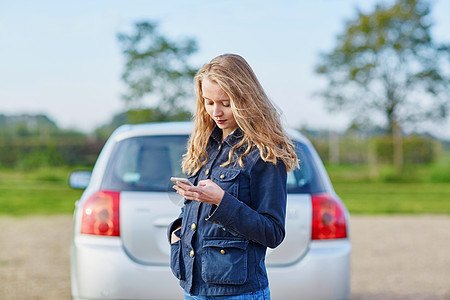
(62, 58)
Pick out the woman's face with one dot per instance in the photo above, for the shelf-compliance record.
(217, 104)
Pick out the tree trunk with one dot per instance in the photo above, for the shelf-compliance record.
(398, 147)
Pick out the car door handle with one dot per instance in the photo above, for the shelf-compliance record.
(163, 222)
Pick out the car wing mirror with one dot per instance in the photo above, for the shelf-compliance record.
(79, 179)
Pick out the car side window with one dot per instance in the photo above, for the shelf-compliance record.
(304, 179)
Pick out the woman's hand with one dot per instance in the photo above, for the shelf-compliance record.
(206, 191)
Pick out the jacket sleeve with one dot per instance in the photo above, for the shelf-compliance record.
(264, 222)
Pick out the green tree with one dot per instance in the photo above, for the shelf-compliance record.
(387, 66)
(158, 68)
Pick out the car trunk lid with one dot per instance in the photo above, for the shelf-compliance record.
(298, 232)
(144, 218)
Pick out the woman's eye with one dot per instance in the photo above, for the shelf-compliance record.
(226, 104)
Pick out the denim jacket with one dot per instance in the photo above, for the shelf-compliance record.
(222, 248)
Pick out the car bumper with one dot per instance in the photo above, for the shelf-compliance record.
(101, 269)
(323, 273)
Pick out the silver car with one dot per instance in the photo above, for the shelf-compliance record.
(120, 250)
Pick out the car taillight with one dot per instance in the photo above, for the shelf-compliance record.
(101, 214)
(328, 220)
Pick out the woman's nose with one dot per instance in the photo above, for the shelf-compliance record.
(217, 112)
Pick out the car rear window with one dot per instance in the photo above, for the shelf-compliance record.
(306, 179)
(145, 163)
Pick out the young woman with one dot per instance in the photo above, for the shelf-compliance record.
(237, 159)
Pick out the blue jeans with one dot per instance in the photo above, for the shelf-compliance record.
(258, 295)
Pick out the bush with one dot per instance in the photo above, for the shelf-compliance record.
(39, 157)
(416, 149)
(31, 153)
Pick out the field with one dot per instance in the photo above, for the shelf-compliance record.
(40, 192)
(46, 191)
(395, 198)
(422, 190)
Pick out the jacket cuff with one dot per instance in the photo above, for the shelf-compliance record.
(221, 214)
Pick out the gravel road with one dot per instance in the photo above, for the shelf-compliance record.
(394, 257)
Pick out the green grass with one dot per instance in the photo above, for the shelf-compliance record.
(43, 191)
(421, 189)
(394, 198)
(46, 191)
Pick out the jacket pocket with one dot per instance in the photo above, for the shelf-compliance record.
(176, 260)
(227, 179)
(224, 261)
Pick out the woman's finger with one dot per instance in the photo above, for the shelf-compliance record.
(192, 194)
(205, 182)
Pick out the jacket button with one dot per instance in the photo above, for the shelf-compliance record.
(193, 227)
(222, 176)
(207, 172)
(222, 251)
(191, 254)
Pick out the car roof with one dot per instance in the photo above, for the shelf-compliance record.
(157, 128)
(174, 128)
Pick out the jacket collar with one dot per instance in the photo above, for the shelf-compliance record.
(232, 139)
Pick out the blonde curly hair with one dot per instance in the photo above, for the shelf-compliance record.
(254, 113)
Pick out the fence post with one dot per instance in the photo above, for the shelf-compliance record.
(333, 144)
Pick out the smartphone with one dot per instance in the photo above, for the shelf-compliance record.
(180, 179)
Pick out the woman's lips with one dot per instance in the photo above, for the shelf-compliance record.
(220, 121)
